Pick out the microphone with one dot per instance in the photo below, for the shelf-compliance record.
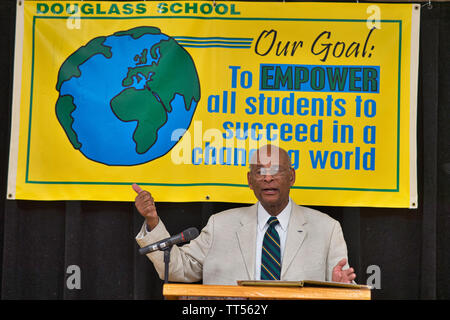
(185, 236)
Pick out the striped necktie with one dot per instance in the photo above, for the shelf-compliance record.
(270, 256)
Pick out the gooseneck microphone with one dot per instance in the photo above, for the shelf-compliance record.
(185, 236)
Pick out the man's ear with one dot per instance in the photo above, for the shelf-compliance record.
(249, 181)
(292, 177)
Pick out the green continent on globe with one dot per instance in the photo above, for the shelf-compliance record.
(70, 68)
(174, 73)
(141, 106)
(175, 69)
(138, 32)
(64, 108)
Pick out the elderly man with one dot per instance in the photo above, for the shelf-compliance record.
(274, 239)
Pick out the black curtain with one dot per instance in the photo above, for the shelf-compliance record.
(411, 248)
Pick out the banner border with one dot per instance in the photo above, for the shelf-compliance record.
(396, 189)
(16, 102)
(414, 76)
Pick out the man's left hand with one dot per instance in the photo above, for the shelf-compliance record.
(345, 276)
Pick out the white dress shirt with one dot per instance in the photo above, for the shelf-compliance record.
(281, 228)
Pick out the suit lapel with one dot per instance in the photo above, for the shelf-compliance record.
(247, 239)
(295, 236)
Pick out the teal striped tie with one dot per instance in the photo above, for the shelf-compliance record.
(270, 256)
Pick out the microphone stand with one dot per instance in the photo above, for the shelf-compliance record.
(166, 263)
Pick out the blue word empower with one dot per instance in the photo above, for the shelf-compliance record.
(311, 78)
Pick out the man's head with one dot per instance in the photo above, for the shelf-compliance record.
(270, 177)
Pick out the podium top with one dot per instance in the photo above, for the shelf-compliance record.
(174, 291)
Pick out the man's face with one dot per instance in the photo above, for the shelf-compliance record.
(271, 178)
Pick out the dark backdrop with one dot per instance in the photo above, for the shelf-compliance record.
(39, 240)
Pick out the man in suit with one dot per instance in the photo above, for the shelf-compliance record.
(297, 243)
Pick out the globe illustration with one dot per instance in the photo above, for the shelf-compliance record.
(122, 96)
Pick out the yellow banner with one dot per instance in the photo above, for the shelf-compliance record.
(175, 96)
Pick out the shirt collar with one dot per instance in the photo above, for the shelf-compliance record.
(283, 216)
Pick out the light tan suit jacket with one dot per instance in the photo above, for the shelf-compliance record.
(224, 252)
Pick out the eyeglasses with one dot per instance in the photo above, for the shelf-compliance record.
(274, 171)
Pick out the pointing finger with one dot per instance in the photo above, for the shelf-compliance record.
(137, 188)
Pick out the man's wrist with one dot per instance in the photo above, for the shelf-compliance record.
(151, 223)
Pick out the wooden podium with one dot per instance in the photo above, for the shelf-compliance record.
(175, 291)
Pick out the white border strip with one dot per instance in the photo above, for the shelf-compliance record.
(15, 114)
(414, 66)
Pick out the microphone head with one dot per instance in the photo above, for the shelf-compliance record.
(189, 234)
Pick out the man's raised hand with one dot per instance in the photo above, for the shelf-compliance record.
(146, 206)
